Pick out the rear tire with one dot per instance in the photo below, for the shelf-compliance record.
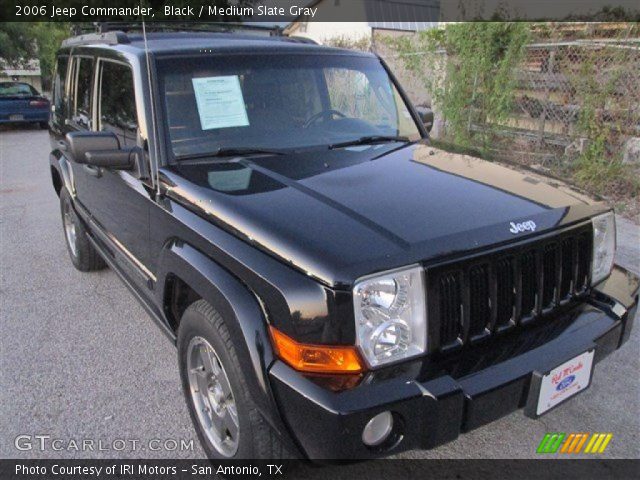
(83, 254)
(43, 125)
(226, 419)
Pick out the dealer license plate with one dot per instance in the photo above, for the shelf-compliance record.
(564, 381)
(16, 118)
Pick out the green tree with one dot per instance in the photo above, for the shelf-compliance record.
(23, 41)
(47, 37)
(469, 70)
(16, 42)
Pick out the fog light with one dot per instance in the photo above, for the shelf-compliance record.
(378, 429)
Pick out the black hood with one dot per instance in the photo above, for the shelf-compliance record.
(341, 214)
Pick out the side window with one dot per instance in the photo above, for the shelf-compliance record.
(351, 94)
(117, 111)
(59, 92)
(81, 105)
(371, 98)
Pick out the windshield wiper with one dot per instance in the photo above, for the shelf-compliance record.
(232, 152)
(369, 140)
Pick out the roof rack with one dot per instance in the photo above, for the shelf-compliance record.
(298, 39)
(110, 38)
(84, 29)
(114, 33)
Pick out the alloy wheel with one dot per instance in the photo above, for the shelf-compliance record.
(212, 397)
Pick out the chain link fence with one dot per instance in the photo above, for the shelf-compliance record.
(568, 89)
(576, 99)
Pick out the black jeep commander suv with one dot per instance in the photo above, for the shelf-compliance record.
(336, 287)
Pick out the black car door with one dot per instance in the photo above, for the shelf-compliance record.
(117, 200)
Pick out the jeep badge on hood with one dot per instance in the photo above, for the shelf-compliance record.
(522, 227)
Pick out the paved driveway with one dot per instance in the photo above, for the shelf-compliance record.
(80, 359)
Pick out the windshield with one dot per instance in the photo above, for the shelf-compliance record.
(278, 102)
(16, 89)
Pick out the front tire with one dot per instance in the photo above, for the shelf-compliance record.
(82, 253)
(226, 419)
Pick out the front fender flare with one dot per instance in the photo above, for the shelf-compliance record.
(240, 309)
(63, 166)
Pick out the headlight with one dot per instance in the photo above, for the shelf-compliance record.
(604, 246)
(391, 317)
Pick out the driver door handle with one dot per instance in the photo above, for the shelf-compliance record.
(93, 171)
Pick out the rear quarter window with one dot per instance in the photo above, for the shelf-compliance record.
(59, 91)
(83, 88)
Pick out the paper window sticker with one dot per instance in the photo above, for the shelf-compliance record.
(220, 102)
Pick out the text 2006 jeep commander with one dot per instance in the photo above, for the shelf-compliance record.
(336, 287)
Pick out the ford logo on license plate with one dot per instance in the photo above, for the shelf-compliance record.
(565, 383)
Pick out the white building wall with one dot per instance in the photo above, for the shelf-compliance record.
(322, 32)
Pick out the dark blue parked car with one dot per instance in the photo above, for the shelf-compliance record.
(21, 103)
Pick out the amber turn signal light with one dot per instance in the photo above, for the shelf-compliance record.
(316, 358)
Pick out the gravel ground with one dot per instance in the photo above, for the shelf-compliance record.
(79, 358)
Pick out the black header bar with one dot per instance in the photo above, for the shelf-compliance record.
(383, 13)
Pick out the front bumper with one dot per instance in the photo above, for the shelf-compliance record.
(435, 400)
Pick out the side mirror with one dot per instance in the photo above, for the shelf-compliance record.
(99, 149)
(426, 115)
